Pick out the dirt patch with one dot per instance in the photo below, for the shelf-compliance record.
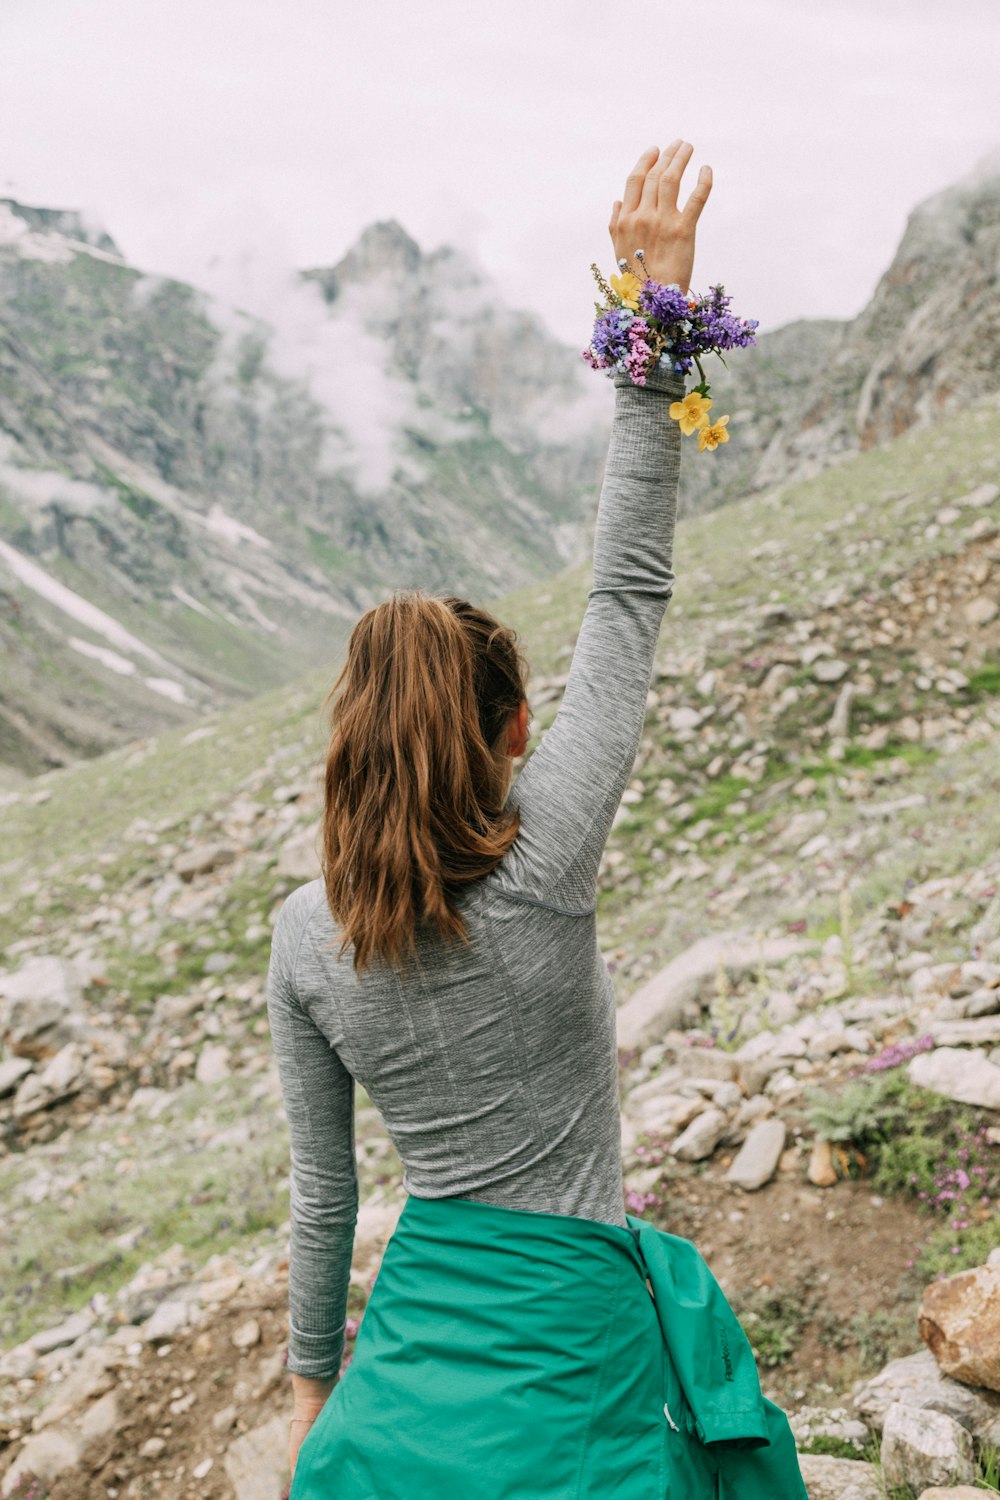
(819, 1276)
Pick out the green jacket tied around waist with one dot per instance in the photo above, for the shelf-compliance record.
(506, 1354)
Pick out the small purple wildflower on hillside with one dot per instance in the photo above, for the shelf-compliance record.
(899, 1052)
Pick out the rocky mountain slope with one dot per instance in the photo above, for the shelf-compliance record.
(926, 344)
(800, 904)
(195, 504)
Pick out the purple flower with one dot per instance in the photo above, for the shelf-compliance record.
(899, 1052)
(635, 1201)
(667, 303)
(593, 361)
(610, 336)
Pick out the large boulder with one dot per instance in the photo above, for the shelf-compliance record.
(671, 997)
(960, 1323)
(964, 1074)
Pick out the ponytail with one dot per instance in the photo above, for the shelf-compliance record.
(417, 770)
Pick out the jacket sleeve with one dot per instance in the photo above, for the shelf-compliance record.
(572, 785)
(318, 1094)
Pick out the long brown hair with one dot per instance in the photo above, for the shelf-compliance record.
(417, 770)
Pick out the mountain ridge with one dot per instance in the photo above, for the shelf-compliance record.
(234, 492)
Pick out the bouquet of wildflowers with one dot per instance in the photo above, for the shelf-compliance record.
(646, 325)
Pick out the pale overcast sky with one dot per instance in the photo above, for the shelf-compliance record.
(204, 132)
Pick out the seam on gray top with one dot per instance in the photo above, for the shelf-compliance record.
(564, 911)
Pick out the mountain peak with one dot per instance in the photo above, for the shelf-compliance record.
(68, 222)
(382, 246)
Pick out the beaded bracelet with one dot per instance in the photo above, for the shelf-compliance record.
(647, 325)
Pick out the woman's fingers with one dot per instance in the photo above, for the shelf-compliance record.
(616, 209)
(636, 178)
(698, 195)
(669, 180)
(650, 188)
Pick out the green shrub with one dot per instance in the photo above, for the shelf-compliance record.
(863, 1112)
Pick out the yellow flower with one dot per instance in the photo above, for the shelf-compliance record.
(692, 412)
(627, 288)
(711, 437)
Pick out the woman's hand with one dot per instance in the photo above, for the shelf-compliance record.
(647, 217)
(310, 1398)
(297, 1434)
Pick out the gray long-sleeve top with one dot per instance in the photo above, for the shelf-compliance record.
(494, 1066)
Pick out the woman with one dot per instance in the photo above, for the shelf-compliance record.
(525, 1336)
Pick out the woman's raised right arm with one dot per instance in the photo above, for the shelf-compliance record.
(572, 785)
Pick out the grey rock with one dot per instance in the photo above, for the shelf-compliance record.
(705, 1063)
(921, 1448)
(212, 1065)
(830, 669)
(203, 859)
(218, 962)
(965, 1075)
(67, 1332)
(915, 1380)
(701, 1137)
(981, 610)
(12, 1071)
(170, 1317)
(670, 1112)
(89, 1378)
(64, 1073)
(839, 726)
(726, 1094)
(984, 1029)
(170, 1010)
(952, 1492)
(100, 1418)
(684, 717)
(984, 1002)
(45, 1454)
(782, 1008)
(757, 1159)
(838, 1478)
(298, 858)
(38, 1007)
(755, 1075)
(256, 1464)
(754, 1108)
(983, 494)
(777, 677)
(810, 1422)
